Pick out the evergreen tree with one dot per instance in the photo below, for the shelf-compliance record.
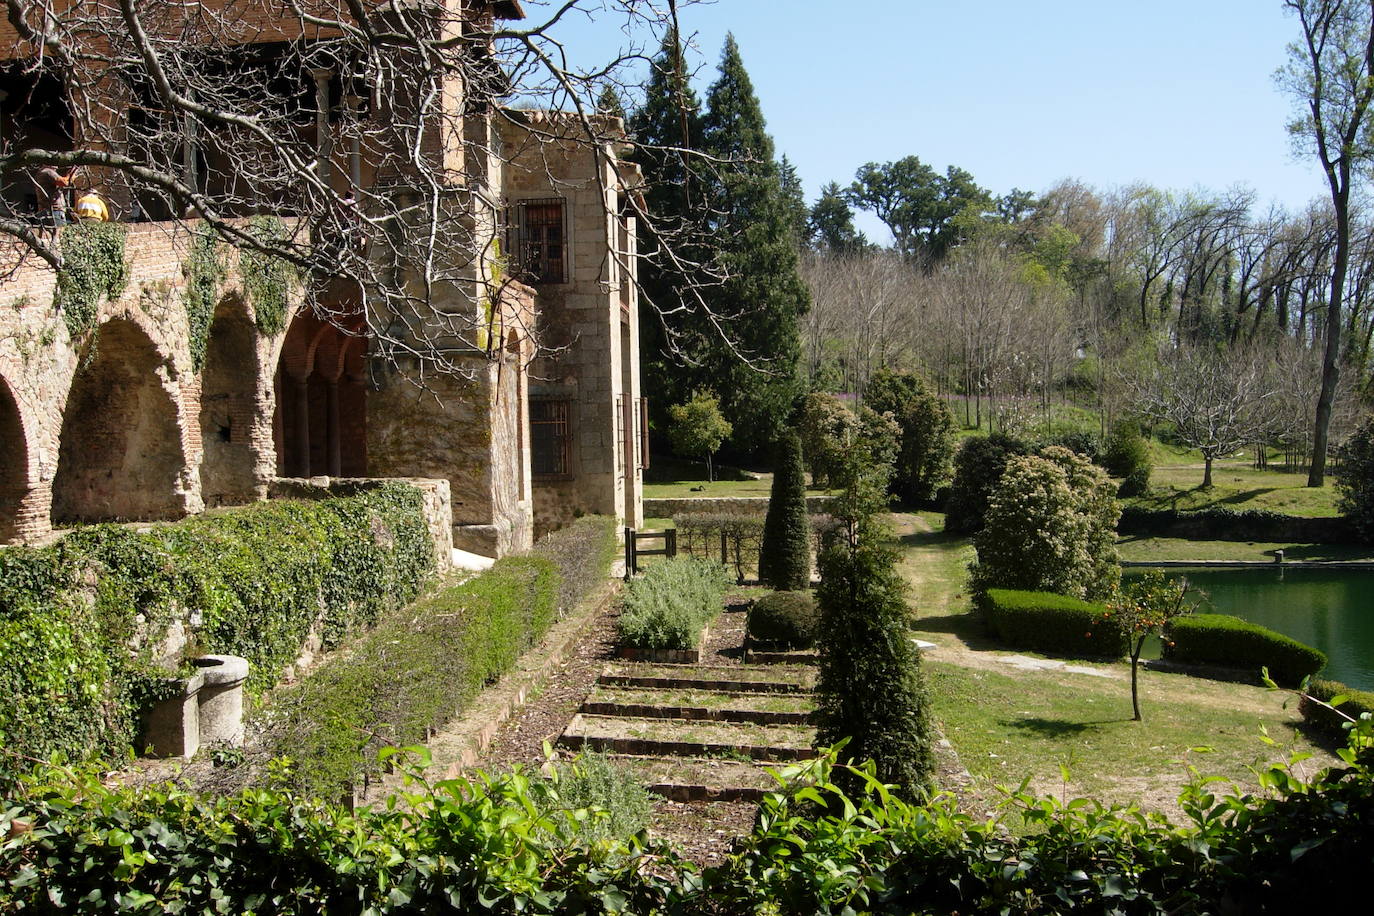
(762, 294)
(609, 102)
(794, 197)
(830, 226)
(667, 130)
(785, 560)
(871, 687)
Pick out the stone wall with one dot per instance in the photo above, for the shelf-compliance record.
(438, 504)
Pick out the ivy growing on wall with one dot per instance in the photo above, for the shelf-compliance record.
(83, 622)
(205, 271)
(93, 269)
(267, 280)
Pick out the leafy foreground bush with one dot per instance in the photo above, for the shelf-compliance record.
(1053, 624)
(669, 605)
(486, 845)
(423, 665)
(83, 622)
(785, 618)
(1220, 639)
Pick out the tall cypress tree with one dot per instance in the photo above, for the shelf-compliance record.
(794, 197)
(666, 131)
(762, 295)
(785, 559)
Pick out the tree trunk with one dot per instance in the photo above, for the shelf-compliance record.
(1331, 369)
(710, 471)
(1207, 472)
(1135, 684)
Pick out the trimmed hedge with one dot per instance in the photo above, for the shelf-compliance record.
(669, 606)
(422, 665)
(1053, 624)
(1226, 641)
(83, 622)
(1236, 525)
(1335, 727)
(785, 618)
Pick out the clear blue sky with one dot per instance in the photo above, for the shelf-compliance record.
(1177, 94)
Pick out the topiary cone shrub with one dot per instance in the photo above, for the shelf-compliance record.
(785, 559)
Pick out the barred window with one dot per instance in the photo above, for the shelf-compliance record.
(550, 438)
(539, 240)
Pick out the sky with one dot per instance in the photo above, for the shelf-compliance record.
(1177, 94)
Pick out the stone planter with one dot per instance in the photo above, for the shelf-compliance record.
(173, 726)
(221, 699)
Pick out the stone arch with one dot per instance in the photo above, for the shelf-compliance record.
(14, 466)
(321, 390)
(120, 455)
(231, 446)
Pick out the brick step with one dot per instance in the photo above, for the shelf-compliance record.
(651, 737)
(700, 705)
(741, 679)
(690, 779)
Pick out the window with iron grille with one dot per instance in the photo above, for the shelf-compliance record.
(539, 246)
(550, 438)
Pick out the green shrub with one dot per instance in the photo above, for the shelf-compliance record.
(669, 605)
(1332, 724)
(1052, 624)
(978, 466)
(927, 433)
(1220, 639)
(871, 688)
(785, 558)
(1236, 525)
(1050, 527)
(583, 553)
(618, 800)
(82, 622)
(785, 618)
(1355, 484)
(1080, 441)
(1127, 452)
(424, 664)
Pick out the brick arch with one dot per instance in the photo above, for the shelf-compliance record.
(321, 390)
(14, 466)
(121, 453)
(231, 448)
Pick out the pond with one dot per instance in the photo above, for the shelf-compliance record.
(1332, 609)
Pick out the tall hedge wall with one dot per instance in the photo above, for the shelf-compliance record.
(422, 665)
(1236, 525)
(1053, 624)
(84, 622)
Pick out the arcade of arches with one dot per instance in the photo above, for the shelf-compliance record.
(321, 388)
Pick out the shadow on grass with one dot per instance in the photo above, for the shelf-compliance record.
(928, 538)
(965, 626)
(1246, 495)
(1055, 728)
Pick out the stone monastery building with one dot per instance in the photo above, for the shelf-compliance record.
(188, 386)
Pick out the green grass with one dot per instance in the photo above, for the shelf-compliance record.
(1018, 724)
(1176, 483)
(1144, 550)
(675, 478)
(935, 564)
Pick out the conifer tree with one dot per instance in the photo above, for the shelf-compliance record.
(667, 134)
(785, 560)
(794, 198)
(609, 102)
(762, 294)
(830, 226)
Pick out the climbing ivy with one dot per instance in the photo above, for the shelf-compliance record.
(205, 271)
(267, 280)
(82, 622)
(93, 268)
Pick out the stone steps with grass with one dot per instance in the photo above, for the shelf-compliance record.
(699, 732)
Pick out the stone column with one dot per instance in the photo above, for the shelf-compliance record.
(221, 698)
(322, 78)
(355, 143)
(302, 430)
(335, 449)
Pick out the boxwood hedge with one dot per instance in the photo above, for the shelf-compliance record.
(1334, 726)
(1053, 624)
(1226, 641)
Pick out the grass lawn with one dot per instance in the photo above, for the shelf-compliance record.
(673, 478)
(1015, 724)
(1175, 483)
(1008, 724)
(1143, 549)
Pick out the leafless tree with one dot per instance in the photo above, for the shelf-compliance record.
(372, 127)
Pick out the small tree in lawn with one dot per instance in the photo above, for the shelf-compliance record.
(1144, 609)
(785, 560)
(698, 428)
